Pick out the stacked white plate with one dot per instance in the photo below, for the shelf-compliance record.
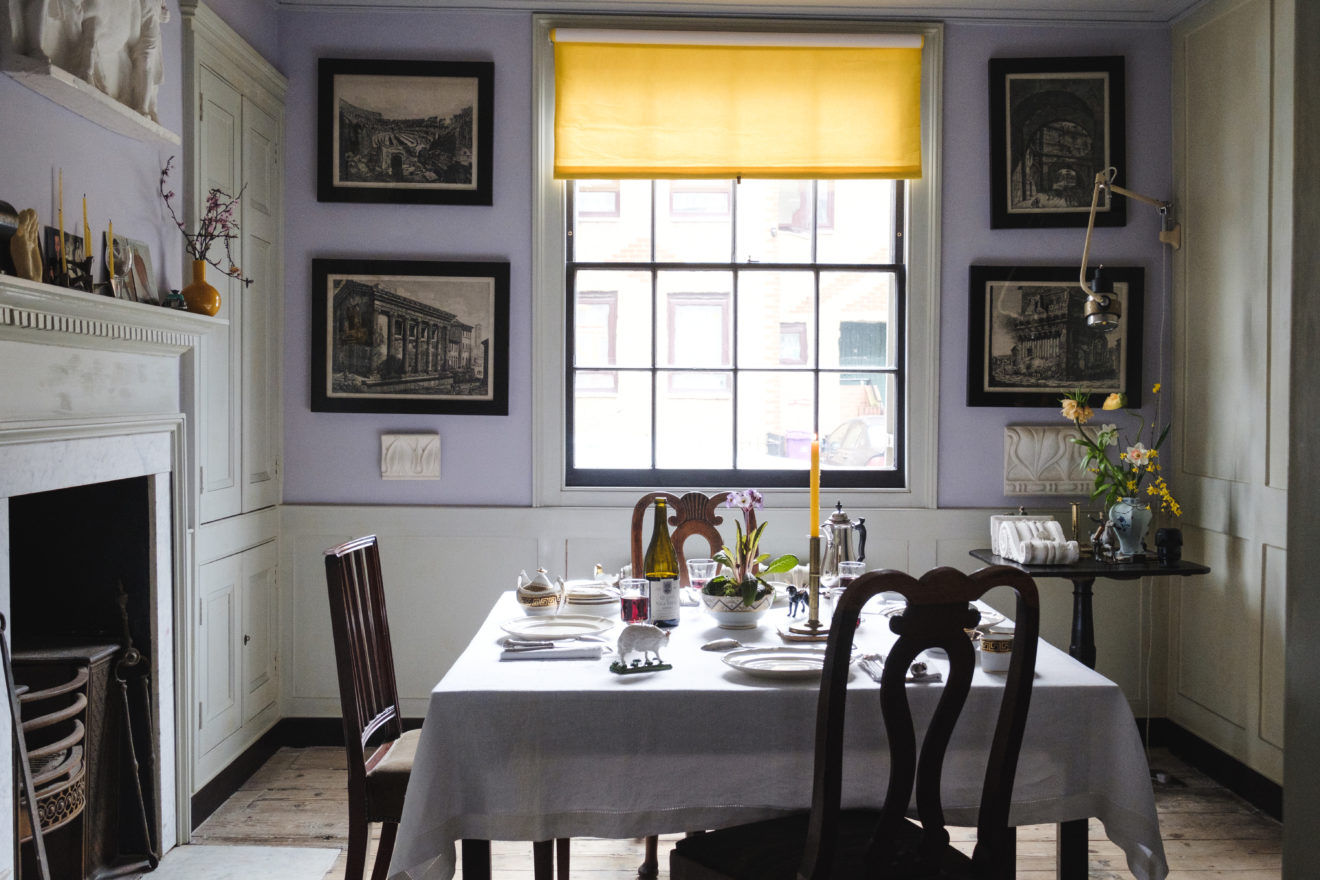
(591, 597)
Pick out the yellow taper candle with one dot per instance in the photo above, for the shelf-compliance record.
(814, 501)
(110, 249)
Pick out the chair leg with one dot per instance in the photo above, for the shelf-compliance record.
(357, 848)
(384, 850)
(561, 858)
(476, 859)
(543, 860)
(650, 867)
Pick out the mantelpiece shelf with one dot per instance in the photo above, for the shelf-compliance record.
(87, 101)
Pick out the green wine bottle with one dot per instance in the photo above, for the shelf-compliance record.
(661, 564)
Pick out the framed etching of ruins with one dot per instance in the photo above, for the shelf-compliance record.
(1054, 124)
(1028, 342)
(410, 336)
(405, 131)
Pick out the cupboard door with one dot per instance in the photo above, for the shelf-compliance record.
(218, 696)
(260, 683)
(219, 148)
(262, 308)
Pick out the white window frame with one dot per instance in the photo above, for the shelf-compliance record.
(549, 297)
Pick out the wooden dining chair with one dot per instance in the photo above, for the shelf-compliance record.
(831, 843)
(380, 751)
(693, 514)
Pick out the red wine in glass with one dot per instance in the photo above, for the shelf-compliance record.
(635, 609)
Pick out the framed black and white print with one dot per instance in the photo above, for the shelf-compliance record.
(405, 131)
(410, 336)
(1029, 344)
(1054, 124)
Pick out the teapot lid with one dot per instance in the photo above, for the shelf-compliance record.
(838, 516)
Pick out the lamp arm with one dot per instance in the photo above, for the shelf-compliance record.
(1170, 233)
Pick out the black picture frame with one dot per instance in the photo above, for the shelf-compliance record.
(410, 336)
(78, 276)
(1029, 344)
(405, 132)
(1054, 124)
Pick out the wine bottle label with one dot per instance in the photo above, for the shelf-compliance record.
(664, 601)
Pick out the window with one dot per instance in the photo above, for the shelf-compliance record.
(746, 316)
(710, 404)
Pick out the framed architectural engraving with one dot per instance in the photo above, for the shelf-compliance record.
(410, 336)
(405, 131)
(1029, 344)
(1054, 124)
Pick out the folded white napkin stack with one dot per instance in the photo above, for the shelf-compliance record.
(558, 652)
(1036, 542)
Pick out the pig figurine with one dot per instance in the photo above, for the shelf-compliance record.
(641, 638)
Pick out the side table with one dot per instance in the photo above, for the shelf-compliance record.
(1082, 573)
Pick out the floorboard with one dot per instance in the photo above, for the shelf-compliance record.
(298, 799)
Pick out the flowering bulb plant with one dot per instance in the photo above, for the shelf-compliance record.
(1124, 475)
(217, 224)
(745, 560)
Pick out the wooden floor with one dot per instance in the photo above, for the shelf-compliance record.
(298, 799)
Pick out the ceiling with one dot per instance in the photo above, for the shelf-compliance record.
(927, 10)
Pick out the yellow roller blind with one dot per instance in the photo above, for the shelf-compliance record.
(723, 106)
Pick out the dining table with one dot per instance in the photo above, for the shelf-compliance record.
(542, 749)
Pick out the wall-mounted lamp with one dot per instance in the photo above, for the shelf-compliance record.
(1102, 309)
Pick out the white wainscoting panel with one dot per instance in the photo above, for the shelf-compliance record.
(444, 567)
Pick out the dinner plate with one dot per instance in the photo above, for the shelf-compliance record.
(565, 626)
(781, 662)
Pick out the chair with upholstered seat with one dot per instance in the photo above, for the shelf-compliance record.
(380, 751)
(831, 843)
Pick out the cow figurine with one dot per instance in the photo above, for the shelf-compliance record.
(641, 638)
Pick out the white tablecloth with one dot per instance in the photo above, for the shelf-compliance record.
(535, 750)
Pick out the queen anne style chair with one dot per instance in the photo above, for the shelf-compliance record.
(380, 751)
(830, 843)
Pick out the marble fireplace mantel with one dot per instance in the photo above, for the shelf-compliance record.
(98, 389)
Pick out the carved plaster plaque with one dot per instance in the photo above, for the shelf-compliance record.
(410, 456)
(1040, 460)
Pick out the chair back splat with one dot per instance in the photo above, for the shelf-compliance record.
(937, 616)
(689, 515)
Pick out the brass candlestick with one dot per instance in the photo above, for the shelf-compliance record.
(813, 626)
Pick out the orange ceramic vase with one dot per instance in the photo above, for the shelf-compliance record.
(200, 296)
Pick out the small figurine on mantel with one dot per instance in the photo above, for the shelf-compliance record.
(643, 638)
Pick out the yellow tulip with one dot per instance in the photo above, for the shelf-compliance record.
(1116, 400)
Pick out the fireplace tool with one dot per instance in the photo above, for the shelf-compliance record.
(25, 769)
(128, 659)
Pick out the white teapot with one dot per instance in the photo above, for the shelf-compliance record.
(538, 594)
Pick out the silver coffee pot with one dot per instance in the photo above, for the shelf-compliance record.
(838, 531)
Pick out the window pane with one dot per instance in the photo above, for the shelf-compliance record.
(612, 319)
(774, 221)
(693, 220)
(695, 323)
(694, 428)
(612, 430)
(768, 302)
(857, 420)
(621, 235)
(861, 229)
(857, 318)
(774, 420)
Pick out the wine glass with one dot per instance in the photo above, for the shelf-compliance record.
(635, 601)
(700, 571)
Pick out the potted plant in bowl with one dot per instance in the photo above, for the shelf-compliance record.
(738, 596)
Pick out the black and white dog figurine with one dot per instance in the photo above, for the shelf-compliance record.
(797, 600)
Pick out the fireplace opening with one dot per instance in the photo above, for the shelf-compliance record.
(81, 560)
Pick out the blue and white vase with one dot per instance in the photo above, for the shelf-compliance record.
(1130, 521)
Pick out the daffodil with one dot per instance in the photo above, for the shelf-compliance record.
(1124, 474)
(1117, 400)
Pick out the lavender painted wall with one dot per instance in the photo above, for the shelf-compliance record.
(38, 137)
(971, 438)
(333, 458)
